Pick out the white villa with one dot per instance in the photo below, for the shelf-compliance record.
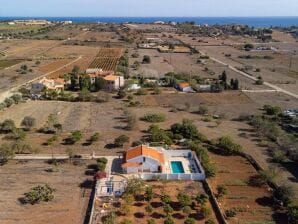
(149, 162)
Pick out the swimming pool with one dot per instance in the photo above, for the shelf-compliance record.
(177, 167)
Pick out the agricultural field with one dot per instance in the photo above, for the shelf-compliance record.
(27, 49)
(8, 63)
(82, 63)
(252, 204)
(106, 59)
(71, 195)
(138, 212)
(98, 36)
(52, 66)
(18, 28)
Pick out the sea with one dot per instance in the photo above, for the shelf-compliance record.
(257, 22)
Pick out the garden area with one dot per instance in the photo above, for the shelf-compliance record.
(152, 202)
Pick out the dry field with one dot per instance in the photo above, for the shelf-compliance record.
(107, 59)
(98, 36)
(70, 202)
(87, 117)
(254, 204)
(52, 66)
(71, 51)
(138, 213)
(25, 48)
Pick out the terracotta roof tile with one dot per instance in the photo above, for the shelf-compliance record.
(145, 151)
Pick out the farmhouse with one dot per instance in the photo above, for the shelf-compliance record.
(53, 84)
(114, 82)
(149, 162)
(143, 159)
(184, 87)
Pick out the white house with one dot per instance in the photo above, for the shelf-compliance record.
(143, 159)
(114, 82)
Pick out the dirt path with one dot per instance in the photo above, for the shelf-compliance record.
(254, 78)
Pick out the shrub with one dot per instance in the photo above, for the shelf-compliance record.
(6, 153)
(167, 209)
(121, 93)
(119, 141)
(188, 130)
(202, 110)
(154, 117)
(284, 193)
(187, 210)
(293, 214)
(151, 221)
(94, 138)
(169, 220)
(190, 221)
(149, 209)
(101, 164)
(210, 221)
(272, 110)
(7, 126)
(184, 199)
(202, 199)
(221, 191)
(136, 143)
(206, 212)
(141, 92)
(126, 221)
(28, 122)
(8, 102)
(259, 81)
(228, 147)
(165, 198)
(74, 137)
(39, 193)
(146, 59)
(230, 213)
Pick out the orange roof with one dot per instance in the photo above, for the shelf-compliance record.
(59, 81)
(126, 165)
(183, 85)
(111, 78)
(143, 150)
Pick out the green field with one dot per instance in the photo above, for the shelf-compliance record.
(9, 62)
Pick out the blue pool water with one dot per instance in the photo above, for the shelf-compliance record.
(177, 167)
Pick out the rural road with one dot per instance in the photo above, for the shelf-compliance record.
(59, 156)
(276, 88)
(13, 89)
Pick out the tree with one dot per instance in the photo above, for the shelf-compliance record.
(52, 139)
(221, 191)
(39, 193)
(94, 138)
(28, 122)
(224, 76)
(166, 199)
(7, 126)
(16, 98)
(134, 186)
(128, 198)
(100, 83)
(190, 221)
(6, 153)
(149, 193)
(74, 137)
(84, 95)
(119, 141)
(151, 221)
(168, 209)
(169, 220)
(206, 212)
(236, 84)
(184, 199)
(8, 102)
(202, 199)
(146, 59)
(228, 146)
(75, 70)
(110, 218)
(18, 134)
(24, 67)
(187, 210)
(285, 194)
(293, 214)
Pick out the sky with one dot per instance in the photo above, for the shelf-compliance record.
(149, 8)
